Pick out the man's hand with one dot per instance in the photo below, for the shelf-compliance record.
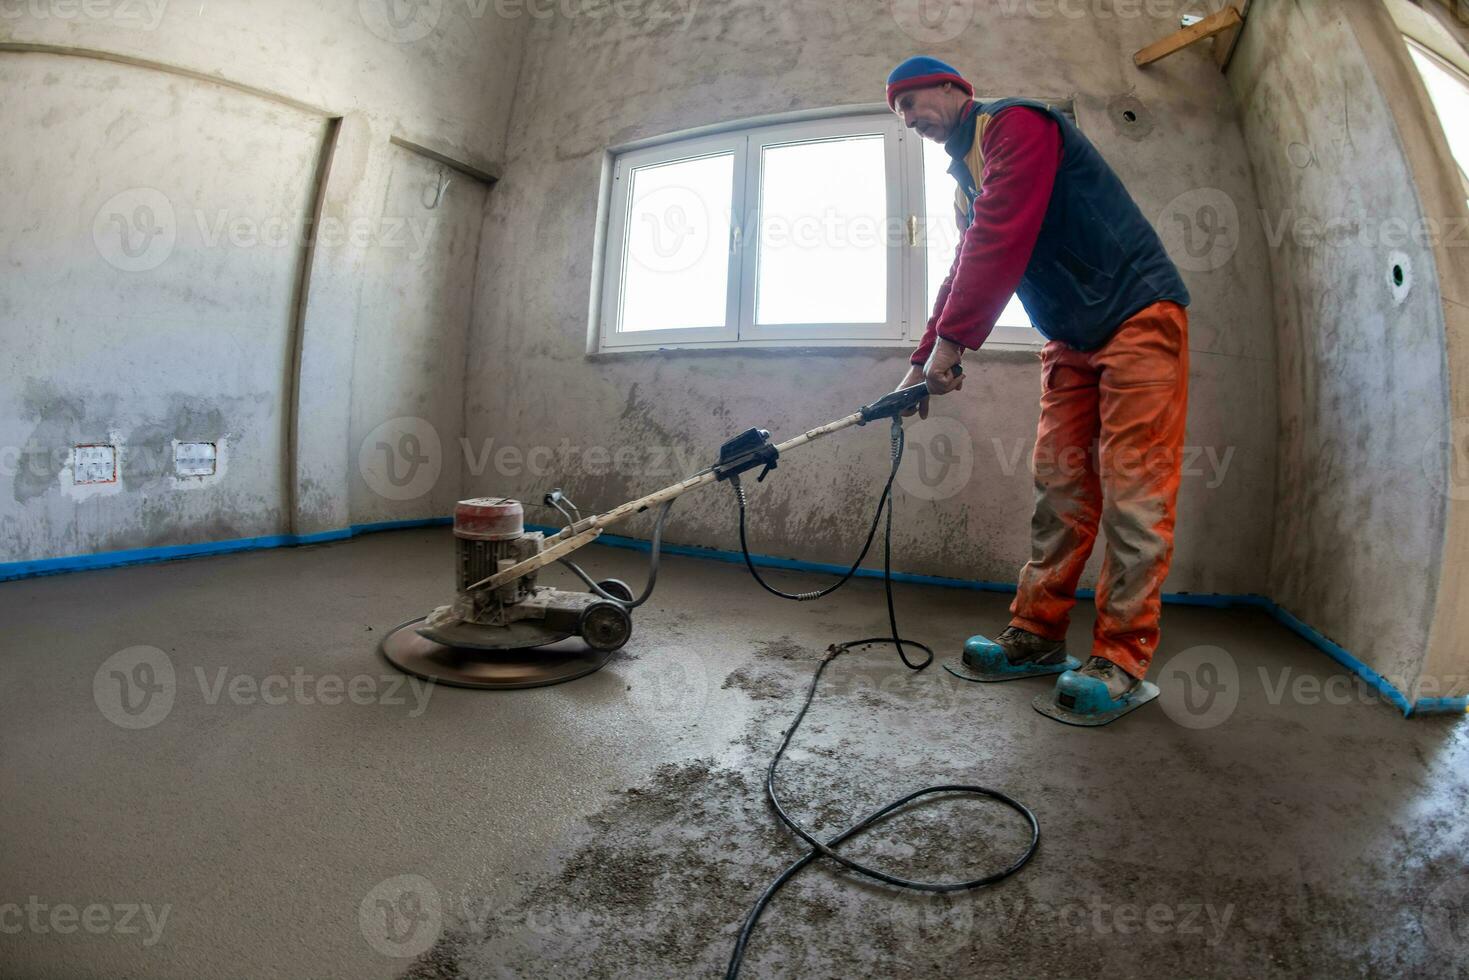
(939, 371)
(913, 377)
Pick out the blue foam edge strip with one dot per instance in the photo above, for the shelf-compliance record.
(1211, 600)
(11, 571)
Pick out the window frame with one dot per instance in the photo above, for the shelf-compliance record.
(894, 324)
(1454, 71)
(907, 269)
(617, 235)
(1001, 337)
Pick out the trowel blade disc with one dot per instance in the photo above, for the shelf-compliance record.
(488, 667)
(519, 635)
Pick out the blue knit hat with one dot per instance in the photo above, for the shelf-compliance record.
(922, 71)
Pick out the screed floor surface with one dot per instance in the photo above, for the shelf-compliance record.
(258, 794)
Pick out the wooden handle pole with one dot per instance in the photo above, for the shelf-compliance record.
(584, 532)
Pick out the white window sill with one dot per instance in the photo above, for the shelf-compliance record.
(994, 343)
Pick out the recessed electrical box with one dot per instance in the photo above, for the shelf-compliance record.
(195, 458)
(94, 464)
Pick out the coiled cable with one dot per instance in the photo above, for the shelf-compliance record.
(827, 848)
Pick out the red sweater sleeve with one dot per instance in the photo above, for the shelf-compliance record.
(925, 346)
(1022, 152)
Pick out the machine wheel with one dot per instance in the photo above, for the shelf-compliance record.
(616, 587)
(605, 626)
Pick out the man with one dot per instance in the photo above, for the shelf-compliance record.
(1044, 216)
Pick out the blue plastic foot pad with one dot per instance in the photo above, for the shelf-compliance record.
(1080, 700)
(984, 660)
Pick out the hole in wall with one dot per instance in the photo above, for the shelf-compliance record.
(1129, 116)
(1399, 276)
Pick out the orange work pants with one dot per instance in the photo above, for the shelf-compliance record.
(1108, 452)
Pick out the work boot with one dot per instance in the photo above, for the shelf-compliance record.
(1096, 693)
(1024, 647)
(1119, 682)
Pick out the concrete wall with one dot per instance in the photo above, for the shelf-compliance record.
(590, 85)
(116, 97)
(1444, 670)
(1365, 487)
(408, 366)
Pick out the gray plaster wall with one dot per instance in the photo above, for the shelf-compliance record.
(566, 416)
(408, 361)
(1363, 383)
(224, 333)
(132, 316)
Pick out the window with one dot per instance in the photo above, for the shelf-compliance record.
(1448, 88)
(826, 232)
(943, 234)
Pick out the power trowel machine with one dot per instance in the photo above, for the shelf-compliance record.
(504, 630)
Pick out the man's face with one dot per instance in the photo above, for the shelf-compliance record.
(929, 112)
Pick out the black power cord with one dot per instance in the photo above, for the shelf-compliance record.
(828, 848)
(596, 589)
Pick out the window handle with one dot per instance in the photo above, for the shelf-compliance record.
(734, 239)
(912, 231)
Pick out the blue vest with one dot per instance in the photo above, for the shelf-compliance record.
(1097, 260)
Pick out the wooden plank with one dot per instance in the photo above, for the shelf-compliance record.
(485, 173)
(1226, 42)
(568, 539)
(1215, 23)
